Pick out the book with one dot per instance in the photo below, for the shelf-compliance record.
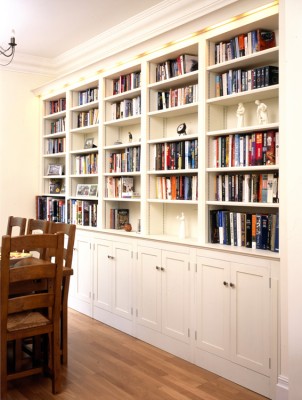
(121, 218)
(266, 39)
(127, 184)
(190, 63)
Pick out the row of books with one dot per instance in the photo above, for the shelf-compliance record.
(255, 231)
(82, 212)
(255, 188)
(87, 118)
(58, 125)
(177, 97)
(120, 187)
(176, 155)
(50, 208)
(86, 164)
(244, 44)
(126, 108)
(118, 218)
(127, 82)
(57, 105)
(181, 65)
(180, 187)
(239, 80)
(56, 145)
(88, 95)
(127, 160)
(245, 150)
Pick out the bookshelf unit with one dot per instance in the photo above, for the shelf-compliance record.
(241, 168)
(121, 144)
(172, 179)
(84, 155)
(161, 283)
(52, 203)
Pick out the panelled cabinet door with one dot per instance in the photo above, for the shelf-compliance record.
(122, 289)
(212, 306)
(250, 322)
(175, 295)
(103, 272)
(80, 293)
(149, 287)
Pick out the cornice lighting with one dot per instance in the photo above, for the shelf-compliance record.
(9, 52)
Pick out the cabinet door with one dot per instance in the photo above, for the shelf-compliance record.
(213, 306)
(80, 293)
(103, 267)
(250, 311)
(149, 287)
(122, 280)
(175, 295)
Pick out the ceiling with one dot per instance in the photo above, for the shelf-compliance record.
(48, 28)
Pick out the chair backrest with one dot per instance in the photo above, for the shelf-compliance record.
(16, 222)
(32, 270)
(69, 236)
(35, 226)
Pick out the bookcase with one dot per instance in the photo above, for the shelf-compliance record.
(159, 142)
(54, 149)
(242, 157)
(84, 155)
(172, 138)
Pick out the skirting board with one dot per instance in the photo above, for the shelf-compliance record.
(282, 388)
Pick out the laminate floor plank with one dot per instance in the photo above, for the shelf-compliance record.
(106, 364)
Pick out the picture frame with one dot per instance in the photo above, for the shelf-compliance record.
(55, 169)
(55, 186)
(82, 189)
(93, 190)
(88, 143)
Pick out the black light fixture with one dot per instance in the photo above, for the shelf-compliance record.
(9, 52)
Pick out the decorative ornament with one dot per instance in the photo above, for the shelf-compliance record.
(181, 129)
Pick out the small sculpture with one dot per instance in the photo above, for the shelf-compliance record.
(240, 115)
(261, 113)
(130, 137)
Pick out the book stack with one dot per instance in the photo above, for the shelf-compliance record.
(88, 95)
(176, 155)
(82, 212)
(50, 209)
(244, 44)
(57, 105)
(119, 187)
(118, 218)
(127, 160)
(127, 82)
(239, 150)
(87, 118)
(177, 97)
(183, 64)
(255, 231)
(180, 187)
(126, 108)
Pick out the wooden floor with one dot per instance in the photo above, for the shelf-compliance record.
(105, 364)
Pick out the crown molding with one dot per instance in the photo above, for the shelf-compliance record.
(147, 25)
(155, 21)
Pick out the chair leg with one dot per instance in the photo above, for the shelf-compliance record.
(3, 372)
(56, 363)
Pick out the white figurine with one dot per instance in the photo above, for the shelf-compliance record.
(182, 226)
(240, 115)
(261, 112)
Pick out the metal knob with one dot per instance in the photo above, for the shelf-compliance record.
(225, 283)
(232, 285)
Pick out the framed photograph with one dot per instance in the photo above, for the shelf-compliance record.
(83, 190)
(88, 143)
(93, 190)
(55, 186)
(55, 169)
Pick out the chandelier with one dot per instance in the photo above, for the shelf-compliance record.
(9, 52)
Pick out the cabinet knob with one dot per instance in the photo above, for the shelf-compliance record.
(110, 257)
(157, 267)
(225, 283)
(162, 269)
(232, 285)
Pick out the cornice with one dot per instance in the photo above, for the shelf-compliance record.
(144, 26)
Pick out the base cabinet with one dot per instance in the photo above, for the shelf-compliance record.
(102, 285)
(163, 297)
(233, 320)
(163, 294)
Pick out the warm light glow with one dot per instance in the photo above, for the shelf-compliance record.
(184, 39)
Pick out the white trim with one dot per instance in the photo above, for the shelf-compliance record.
(282, 388)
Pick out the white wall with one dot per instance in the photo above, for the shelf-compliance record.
(19, 144)
(291, 222)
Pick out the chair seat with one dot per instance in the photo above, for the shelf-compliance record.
(25, 320)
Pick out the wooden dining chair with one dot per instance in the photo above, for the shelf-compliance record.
(27, 313)
(69, 234)
(16, 224)
(35, 226)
